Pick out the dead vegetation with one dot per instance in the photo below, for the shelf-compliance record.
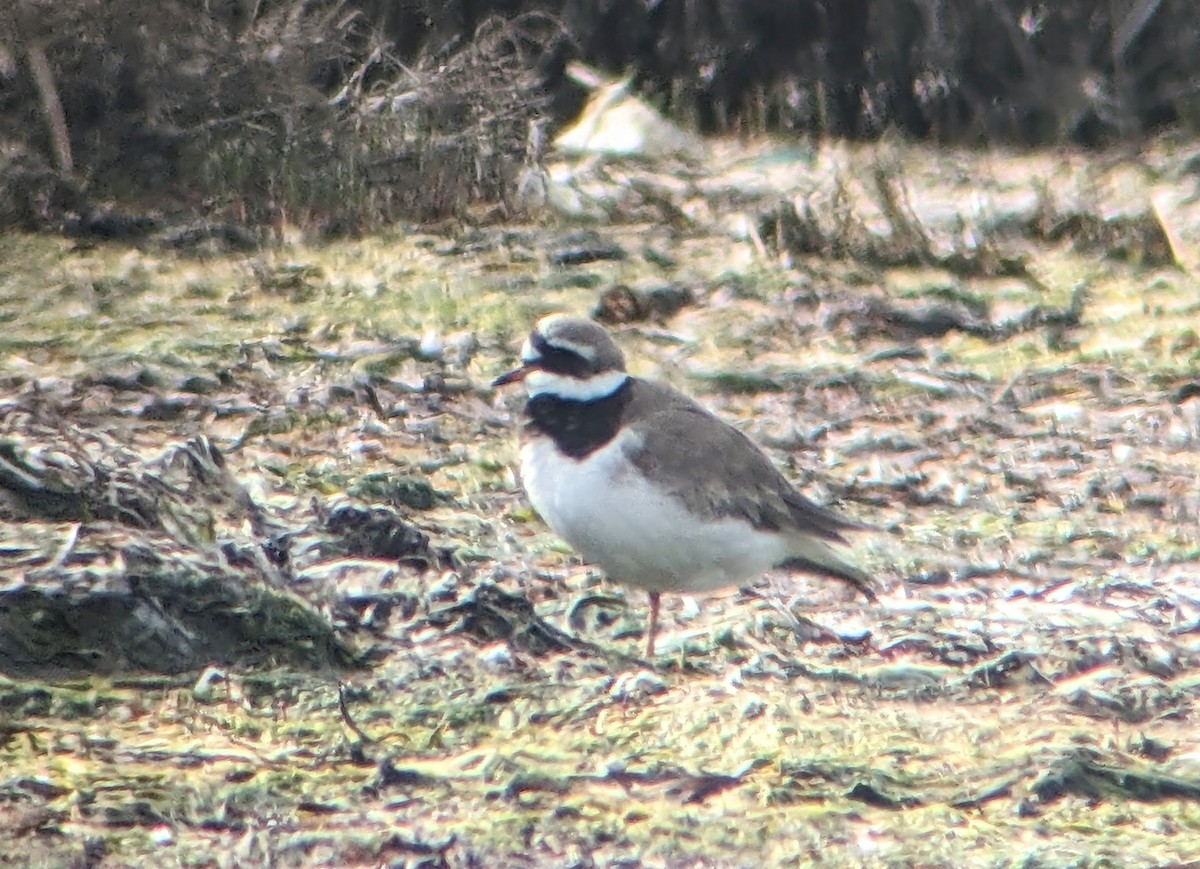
(285, 113)
(285, 479)
(148, 572)
(281, 475)
(310, 430)
(342, 115)
(889, 234)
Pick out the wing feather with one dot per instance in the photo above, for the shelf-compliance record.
(715, 469)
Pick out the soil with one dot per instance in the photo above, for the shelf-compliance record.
(270, 593)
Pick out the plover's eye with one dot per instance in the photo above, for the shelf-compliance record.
(539, 343)
(559, 360)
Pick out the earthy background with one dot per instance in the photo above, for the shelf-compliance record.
(345, 116)
(270, 594)
(289, 465)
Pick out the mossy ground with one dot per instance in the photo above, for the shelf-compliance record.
(1027, 697)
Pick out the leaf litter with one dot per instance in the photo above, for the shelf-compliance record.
(271, 593)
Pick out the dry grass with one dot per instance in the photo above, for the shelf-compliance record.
(1028, 693)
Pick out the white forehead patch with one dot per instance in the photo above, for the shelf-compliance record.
(546, 328)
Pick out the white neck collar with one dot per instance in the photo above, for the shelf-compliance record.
(592, 388)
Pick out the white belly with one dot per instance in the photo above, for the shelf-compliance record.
(637, 534)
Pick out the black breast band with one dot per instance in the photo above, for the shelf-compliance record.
(579, 428)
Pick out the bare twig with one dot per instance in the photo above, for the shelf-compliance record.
(52, 108)
(350, 722)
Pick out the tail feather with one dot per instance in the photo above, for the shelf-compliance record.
(816, 557)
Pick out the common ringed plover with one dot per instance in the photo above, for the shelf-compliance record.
(644, 482)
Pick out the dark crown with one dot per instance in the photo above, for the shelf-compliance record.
(575, 347)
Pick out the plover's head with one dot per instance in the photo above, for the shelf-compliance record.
(570, 358)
